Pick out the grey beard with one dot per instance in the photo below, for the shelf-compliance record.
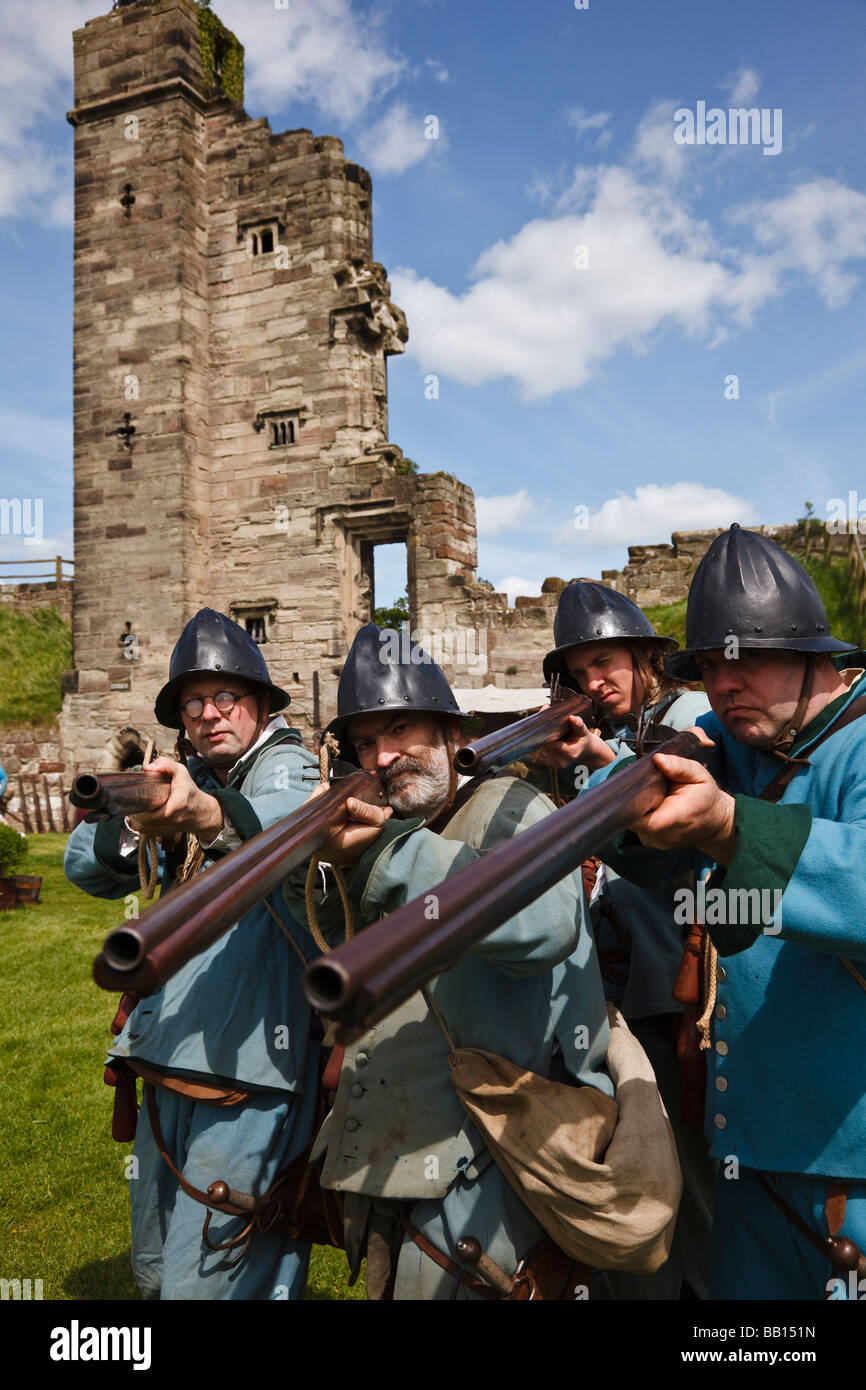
(428, 788)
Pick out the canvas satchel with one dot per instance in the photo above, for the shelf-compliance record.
(601, 1176)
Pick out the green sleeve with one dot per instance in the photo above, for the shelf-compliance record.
(769, 841)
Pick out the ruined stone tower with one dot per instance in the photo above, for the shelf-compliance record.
(230, 392)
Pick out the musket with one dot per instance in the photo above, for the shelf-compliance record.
(517, 740)
(139, 956)
(106, 794)
(363, 981)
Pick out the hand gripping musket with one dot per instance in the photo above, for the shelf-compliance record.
(106, 794)
(366, 979)
(517, 740)
(139, 956)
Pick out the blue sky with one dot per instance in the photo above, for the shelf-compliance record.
(593, 381)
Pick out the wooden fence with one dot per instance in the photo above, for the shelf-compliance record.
(42, 803)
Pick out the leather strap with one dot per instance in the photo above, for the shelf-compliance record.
(477, 1285)
(842, 1254)
(192, 1090)
(774, 789)
(195, 1192)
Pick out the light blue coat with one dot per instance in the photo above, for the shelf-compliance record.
(236, 1011)
(787, 1071)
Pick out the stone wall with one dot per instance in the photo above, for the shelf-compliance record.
(24, 598)
(662, 573)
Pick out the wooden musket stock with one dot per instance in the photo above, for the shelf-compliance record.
(106, 794)
(366, 979)
(519, 739)
(141, 955)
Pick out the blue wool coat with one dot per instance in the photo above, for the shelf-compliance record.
(786, 1085)
(237, 1011)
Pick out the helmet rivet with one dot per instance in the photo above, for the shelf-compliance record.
(758, 629)
(406, 698)
(381, 699)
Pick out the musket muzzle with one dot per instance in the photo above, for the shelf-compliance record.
(520, 738)
(142, 956)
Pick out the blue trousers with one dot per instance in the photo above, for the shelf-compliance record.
(758, 1254)
(246, 1145)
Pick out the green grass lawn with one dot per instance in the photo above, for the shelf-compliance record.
(64, 1204)
(34, 649)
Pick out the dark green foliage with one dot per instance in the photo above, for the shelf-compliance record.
(13, 849)
(393, 616)
(215, 38)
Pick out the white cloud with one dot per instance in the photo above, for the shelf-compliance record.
(535, 315)
(436, 69)
(318, 51)
(513, 586)
(743, 86)
(654, 512)
(655, 150)
(815, 230)
(396, 141)
(37, 73)
(582, 121)
(495, 514)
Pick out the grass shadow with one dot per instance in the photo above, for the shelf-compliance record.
(109, 1279)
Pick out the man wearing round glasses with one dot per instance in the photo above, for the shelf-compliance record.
(225, 1043)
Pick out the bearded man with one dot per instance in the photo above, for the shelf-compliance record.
(413, 1170)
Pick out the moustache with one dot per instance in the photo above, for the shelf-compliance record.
(398, 769)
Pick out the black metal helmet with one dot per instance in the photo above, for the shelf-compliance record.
(211, 644)
(384, 671)
(748, 587)
(589, 612)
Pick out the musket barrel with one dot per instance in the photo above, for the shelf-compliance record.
(120, 793)
(138, 957)
(366, 979)
(520, 738)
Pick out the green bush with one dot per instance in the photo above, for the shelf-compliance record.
(13, 851)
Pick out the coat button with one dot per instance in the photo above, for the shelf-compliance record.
(721, 973)
(721, 1083)
(722, 1049)
(361, 1059)
(351, 1123)
(721, 1011)
(719, 1121)
(357, 1089)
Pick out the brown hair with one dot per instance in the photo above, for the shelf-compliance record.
(648, 661)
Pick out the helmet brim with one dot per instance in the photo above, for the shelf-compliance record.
(681, 665)
(554, 662)
(166, 706)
